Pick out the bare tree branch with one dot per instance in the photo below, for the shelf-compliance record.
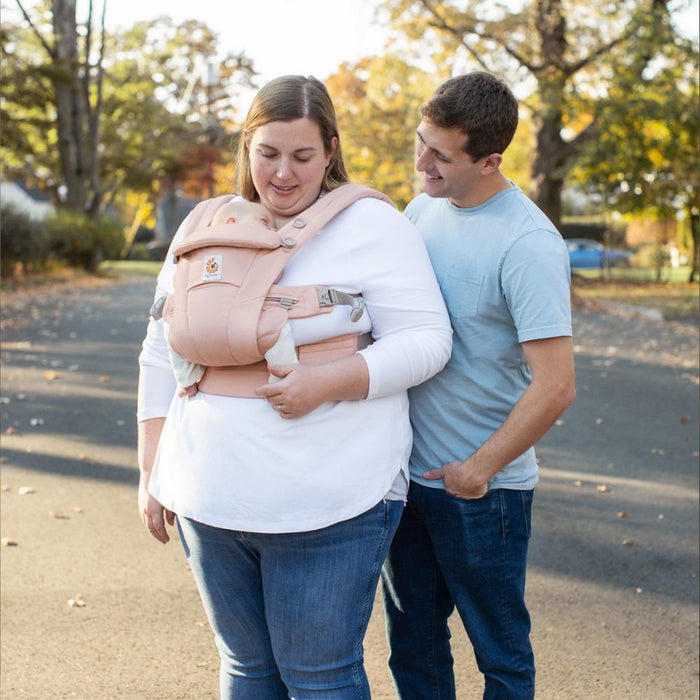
(51, 51)
(459, 31)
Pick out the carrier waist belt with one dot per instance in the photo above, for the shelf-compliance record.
(241, 381)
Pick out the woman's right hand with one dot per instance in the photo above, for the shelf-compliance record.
(153, 514)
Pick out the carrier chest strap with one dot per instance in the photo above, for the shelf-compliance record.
(302, 302)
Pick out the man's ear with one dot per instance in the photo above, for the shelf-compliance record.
(492, 163)
(231, 220)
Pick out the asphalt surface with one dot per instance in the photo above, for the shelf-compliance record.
(613, 577)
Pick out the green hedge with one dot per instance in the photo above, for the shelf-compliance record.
(24, 243)
(81, 241)
(64, 237)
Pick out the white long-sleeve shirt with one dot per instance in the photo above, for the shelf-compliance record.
(235, 463)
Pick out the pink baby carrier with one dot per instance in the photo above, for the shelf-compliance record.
(227, 310)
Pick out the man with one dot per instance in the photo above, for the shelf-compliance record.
(504, 272)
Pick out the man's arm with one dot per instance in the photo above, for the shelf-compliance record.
(551, 392)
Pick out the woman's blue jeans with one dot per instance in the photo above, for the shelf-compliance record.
(469, 554)
(290, 611)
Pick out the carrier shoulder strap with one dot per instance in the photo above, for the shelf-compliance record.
(295, 233)
(291, 236)
(287, 240)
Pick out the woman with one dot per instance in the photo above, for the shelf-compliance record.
(286, 504)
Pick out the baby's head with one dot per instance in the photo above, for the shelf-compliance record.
(244, 212)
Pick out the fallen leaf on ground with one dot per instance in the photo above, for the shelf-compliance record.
(58, 515)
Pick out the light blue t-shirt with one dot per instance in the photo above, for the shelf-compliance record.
(504, 273)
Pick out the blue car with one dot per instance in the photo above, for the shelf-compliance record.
(586, 253)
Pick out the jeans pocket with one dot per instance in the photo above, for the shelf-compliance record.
(526, 502)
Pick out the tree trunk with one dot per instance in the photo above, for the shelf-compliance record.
(551, 153)
(694, 245)
(94, 113)
(69, 108)
(547, 168)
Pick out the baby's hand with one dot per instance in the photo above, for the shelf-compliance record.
(190, 390)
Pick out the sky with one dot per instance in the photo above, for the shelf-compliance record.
(311, 37)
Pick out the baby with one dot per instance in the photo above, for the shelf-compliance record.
(283, 352)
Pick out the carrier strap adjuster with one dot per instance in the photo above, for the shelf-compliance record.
(327, 296)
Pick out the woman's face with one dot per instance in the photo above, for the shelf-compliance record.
(287, 164)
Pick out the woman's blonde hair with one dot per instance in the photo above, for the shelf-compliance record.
(285, 99)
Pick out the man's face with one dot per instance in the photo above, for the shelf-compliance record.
(447, 170)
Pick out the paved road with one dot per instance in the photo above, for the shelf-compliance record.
(610, 620)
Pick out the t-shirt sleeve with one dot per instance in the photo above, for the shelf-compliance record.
(536, 280)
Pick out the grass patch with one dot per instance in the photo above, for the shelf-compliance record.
(671, 275)
(676, 300)
(64, 276)
(129, 268)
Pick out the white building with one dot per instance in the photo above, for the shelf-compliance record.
(26, 200)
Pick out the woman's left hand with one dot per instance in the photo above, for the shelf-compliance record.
(300, 389)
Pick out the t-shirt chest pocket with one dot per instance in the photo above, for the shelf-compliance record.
(462, 293)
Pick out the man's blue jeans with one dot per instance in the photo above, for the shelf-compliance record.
(290, 611)
(470, 554)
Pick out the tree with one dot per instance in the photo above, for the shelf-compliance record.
(377, 102)
(559, 52)
(76, 75)
(152, 111)
(162, 116)
(646, 161)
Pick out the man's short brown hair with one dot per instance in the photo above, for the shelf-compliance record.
(481, 106)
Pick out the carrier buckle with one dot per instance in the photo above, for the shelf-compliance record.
(332, 297)
(156, 311)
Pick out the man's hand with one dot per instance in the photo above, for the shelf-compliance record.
(461, 479)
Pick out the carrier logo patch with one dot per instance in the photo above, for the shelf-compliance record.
(212, 268)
